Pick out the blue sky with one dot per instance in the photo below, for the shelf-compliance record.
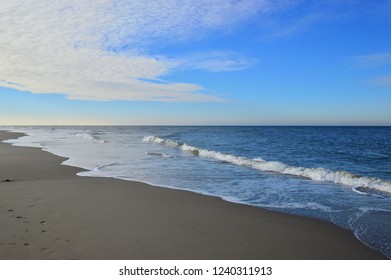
(252, 62)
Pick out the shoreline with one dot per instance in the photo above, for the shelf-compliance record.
(49, 212)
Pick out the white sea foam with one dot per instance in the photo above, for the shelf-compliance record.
(158, 154)
(89, 137)
(155, 139)
(85, 135)
(315, 174)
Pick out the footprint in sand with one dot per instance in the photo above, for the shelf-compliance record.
(7, 180)
(43, 231)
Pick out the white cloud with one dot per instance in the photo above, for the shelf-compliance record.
(288, 18)
(98, 50)
(102, 49)
(216, 61)
(372, 60)
(296, 24)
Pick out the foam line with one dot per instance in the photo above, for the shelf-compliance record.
(315, 174)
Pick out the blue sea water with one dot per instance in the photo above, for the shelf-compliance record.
(338, 174)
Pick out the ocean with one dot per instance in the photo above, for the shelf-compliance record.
(338, 174)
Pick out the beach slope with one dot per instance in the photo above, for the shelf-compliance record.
(48, 212)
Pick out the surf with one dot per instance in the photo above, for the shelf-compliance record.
(320, 174)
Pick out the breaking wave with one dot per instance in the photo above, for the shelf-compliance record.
(89, 137)
(359, 183)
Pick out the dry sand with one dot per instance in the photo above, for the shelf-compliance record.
(48, 212)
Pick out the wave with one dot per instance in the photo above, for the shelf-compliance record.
(85, 136)
(365, 184)
(90, 137)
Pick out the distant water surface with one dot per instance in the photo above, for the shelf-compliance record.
(338, 174)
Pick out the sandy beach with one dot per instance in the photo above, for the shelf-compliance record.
(48, 212)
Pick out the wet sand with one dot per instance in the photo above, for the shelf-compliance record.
(48, 212)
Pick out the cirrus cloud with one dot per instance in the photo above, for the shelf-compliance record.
(383, 81)
(73, 47)
(372, 60)
(215, 61)
(375, 60)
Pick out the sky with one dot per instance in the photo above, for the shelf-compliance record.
(195, 62)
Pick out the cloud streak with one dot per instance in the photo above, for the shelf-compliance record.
(383, 81)
(372, 60)
(375, 60)
(98, 50)
(216, 61)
